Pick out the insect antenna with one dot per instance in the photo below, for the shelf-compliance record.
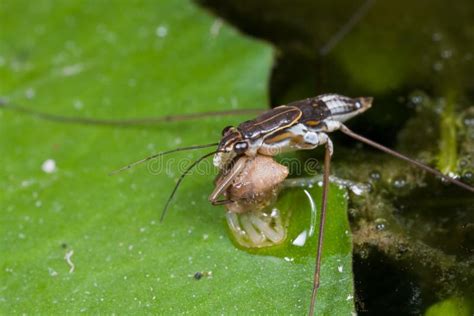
(194, 164)
(133, 164)
(322, 221)
(124, 122)
(435, 172)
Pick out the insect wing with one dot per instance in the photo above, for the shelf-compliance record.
(271, 121)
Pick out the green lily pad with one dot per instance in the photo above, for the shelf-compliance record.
(74, 239)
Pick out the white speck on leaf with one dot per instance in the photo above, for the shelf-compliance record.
(30, 93)
(52, 272)
(161, 31)
(49, 166)
(301, 239)
(78, 104)
(71, 70)
(340, 268)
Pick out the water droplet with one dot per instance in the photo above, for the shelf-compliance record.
(468, 176)
(357, 189)
(469, 120)
(399, 182)
(463, 163)
(375, 175)
(380, 224)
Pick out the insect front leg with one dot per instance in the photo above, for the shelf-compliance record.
(225, 180)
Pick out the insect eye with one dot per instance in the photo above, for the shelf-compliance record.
(240, 147)
(226, 129)
(358, 105)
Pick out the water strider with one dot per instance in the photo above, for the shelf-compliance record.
(244, 153)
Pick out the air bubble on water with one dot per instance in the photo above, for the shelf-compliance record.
(301, 239)
(161, 31)
(49, 166)
(399, 183)
(375, 175)
(468, 175)
(380, 224)
(447, 53)
(30, 93)
(357, 189)
(436, 37)
(438, 66)
(469, 121)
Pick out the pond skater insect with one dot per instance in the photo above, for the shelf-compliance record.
(300, 125)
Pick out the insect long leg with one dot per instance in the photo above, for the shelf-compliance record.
(322, 220)
(347, 27)
(125, 122)
(435, 172)
(194, 164)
